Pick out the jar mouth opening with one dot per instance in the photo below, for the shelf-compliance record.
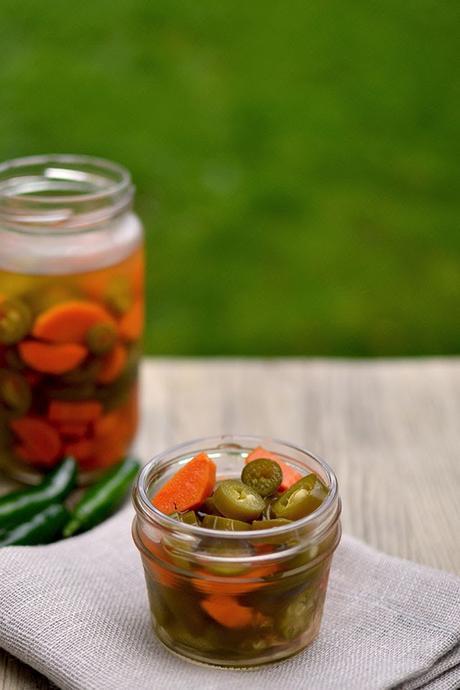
(62, 191)
(218, 443)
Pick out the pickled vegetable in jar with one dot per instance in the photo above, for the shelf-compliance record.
(71, 314)
(230, 582)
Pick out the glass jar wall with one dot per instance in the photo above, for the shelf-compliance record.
(71, 314)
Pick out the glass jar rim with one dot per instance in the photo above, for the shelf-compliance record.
(143, 503)
(106, 190)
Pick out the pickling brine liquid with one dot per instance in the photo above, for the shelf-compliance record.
(69, 354)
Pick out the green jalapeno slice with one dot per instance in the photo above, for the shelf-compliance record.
(262, 475)
(15, 321)
(101, 338)
(15, 394)
(301, 499)
(227, 524)
(238, 501)
(296, 616)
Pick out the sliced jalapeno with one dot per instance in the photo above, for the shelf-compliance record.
(268, 524)
(119, 295)
(85, 373)
(101, 338)
(296, 616)
(209, 506)
(269, 501)
(13, 360)
(262, 475)
(228, 551)
(189, 517)
(184, 608)
(15, 321)
(227, 524)
(49, 295)
(238, 501)
(15, 394)
(301, 499)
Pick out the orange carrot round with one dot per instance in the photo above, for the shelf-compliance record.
(73, 429)
(81, 412)
(40, 443)
(159, 572)
(80, 450)
(52, 358)
(189, 487)
(228, 611)
(107, 453)
(131, 324)
(69, 322)
(108, 424)
(290, 476)
(112, 365)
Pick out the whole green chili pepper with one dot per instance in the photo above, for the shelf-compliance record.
(102, 498)
(19, 506)
(42, 528)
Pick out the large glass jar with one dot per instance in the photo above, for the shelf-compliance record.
(71, 314)
(235, 598)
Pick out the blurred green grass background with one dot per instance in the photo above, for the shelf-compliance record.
(296, 163)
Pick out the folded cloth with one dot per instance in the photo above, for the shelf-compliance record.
(77, 612)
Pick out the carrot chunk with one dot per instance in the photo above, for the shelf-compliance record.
(113, 432)
(80, 412)
(290, 476)
(189, 487)
(228, 611)
(40, 443)
(112, 364)
(69, 322)
(158, 565)
(81, 450)
(50, 358)
(73, 429)
(131, 324)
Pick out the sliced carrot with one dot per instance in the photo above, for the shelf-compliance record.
(189, 487)
(108, 424)
(290, 476)
(131, 324)
(228, 611)
(238, 584)
(81, 412)
(113, 432)
(159, 572)
(68, 322)
(26, 455)
(73, 429)
(52, 359)
(81, 450)
(137, 270)
(40, 443)
(112, 364)
(113, 425)
(106, 455)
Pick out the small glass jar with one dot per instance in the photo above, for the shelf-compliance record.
(242, 598)
(71, 314)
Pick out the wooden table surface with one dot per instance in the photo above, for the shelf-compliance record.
(390, 429)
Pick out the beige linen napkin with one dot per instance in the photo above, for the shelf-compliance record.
(77, 611)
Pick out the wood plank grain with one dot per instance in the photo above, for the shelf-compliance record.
(391, 430)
